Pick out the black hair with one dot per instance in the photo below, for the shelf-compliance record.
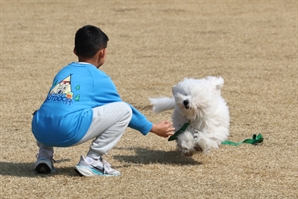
(89, 40)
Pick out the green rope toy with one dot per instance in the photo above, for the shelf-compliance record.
(255, 140)
(181, 130)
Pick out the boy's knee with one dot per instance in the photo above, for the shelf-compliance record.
(127, 108)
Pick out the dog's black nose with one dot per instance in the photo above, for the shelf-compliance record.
(186, 103)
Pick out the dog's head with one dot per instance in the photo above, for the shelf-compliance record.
(194, 96)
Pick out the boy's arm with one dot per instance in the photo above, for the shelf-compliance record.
(139, 122)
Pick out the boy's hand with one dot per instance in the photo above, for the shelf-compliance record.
(163, 129)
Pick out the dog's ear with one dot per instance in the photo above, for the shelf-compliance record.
(218, 82)
(162, 104)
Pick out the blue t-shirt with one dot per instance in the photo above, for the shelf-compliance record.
(66, 114)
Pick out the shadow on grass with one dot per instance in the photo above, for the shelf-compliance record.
(142, 156)
(26, 169)
(149, 156)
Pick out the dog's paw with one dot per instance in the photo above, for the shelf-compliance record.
(198, 148)
(187, 153)
(197, 135)
(185, 149)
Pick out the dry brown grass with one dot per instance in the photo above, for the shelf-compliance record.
(153, 45)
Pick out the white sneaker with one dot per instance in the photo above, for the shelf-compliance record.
(95, 168)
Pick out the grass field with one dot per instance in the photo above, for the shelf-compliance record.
(153, 45)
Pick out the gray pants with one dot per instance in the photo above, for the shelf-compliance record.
(108, 125)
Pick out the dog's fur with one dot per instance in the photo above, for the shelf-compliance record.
(199, 102)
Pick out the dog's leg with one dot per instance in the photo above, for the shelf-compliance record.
(185, 143)
(203, 143)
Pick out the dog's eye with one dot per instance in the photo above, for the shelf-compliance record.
(185, 94)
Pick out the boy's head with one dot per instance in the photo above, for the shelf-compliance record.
(89, 40)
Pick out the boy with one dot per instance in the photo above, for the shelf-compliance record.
(83, 104)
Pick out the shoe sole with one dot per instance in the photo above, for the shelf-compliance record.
(78, 172)
(43, 168)
(87, 172)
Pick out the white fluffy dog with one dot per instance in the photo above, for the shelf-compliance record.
(199, 103)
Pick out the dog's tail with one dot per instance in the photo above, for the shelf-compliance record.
(162, 104)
